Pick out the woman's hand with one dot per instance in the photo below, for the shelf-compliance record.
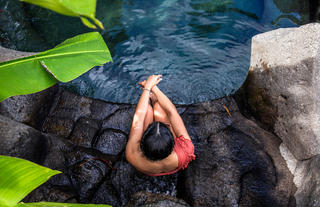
(152, 81)
(142, 83)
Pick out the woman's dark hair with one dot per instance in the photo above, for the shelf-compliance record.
(157, 142)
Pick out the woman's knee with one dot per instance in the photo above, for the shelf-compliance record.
(159, 114)
(149, 117)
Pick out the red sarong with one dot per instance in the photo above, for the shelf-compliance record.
(184, 149)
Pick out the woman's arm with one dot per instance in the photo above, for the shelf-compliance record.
(173, 115)
(136, 131)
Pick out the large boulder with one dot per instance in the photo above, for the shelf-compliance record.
(306, 178)
(283, 83)
(20, 140)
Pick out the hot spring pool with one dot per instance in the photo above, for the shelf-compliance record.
(201, 47)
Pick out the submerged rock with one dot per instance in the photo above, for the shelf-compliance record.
(283, 84)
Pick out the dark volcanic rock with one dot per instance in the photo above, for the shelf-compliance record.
(111, 142)
(86, 177)
(77, 117)
(58, 126)
(29, 109)
(57, 147)
(19, 140)
(48, 193)
(120, 120)
(127, 181)
(85, 172)
(146, 199)
(205, 119)
(84, 132)
(101, 110)
(237, 163)
(106, 194)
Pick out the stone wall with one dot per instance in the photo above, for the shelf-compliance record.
(282, 90)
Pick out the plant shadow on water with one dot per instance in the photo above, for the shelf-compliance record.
(189, 42)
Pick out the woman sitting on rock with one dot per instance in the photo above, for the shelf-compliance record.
(159, 143)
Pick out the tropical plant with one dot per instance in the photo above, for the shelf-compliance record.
(84, 9)
(18, 177)
(65, 62)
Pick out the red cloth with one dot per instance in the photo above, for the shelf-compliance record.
(185, 152)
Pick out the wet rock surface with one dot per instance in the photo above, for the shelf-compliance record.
(237, 163)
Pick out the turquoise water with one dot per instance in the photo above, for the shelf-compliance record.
(201, 47)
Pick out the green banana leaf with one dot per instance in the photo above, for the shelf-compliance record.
(50, 204)
(84, 9)
(19, 177)
(64, 63)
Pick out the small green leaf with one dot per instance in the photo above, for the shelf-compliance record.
(19, 177)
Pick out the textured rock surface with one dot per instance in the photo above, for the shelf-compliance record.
(22, 141)
(283, 84)
(146, 199)
(308, 193)
(237, 164)
(9, 54)
(111, 137)
(127, 181)
(306, 178)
